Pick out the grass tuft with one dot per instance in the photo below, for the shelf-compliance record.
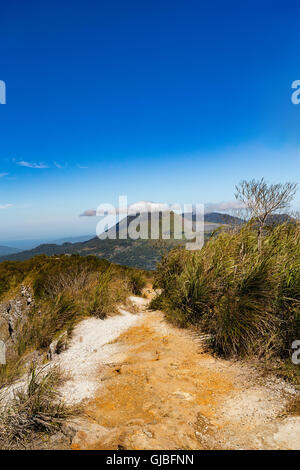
(34, 410)
(248, 301)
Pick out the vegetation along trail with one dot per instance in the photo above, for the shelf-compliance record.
(159, 390)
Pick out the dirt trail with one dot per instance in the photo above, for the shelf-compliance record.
(163, 392)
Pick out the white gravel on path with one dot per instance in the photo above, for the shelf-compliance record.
(88, 350)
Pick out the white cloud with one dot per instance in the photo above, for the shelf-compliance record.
(3, 174)
(82, 167)
(224, 206)
(5, 206)
(132, 209)
(148, 206)
(32, 165)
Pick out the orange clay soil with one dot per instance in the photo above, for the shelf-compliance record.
(164, 392)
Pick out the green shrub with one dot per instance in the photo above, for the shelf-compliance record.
(63, 274)
(101, 302)
(136, 281)
(247, 300)
(45, 324)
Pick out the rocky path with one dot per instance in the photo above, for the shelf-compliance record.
(159, 390)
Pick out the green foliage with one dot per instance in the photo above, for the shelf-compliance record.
(65, 289)
(44, 325)
(102, 300)
(247, 300)
(137, 281)
(50, 274)
(13, 273)
(66, 273)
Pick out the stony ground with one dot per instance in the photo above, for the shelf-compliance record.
(158, 389)
(90, 346)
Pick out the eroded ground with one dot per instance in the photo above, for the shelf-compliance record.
(161, 391)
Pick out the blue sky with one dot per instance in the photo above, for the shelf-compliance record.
(167, 101)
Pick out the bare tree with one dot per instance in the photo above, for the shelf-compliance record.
(263, 199)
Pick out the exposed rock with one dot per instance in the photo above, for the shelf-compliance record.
(82, 432)
(13, 315)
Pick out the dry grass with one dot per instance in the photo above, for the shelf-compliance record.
(247, 299)
(65, 290)
(34, 409)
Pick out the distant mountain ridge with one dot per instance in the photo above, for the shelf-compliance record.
(218, 218)
(29, 244)
(8, 250)
(137, 253)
